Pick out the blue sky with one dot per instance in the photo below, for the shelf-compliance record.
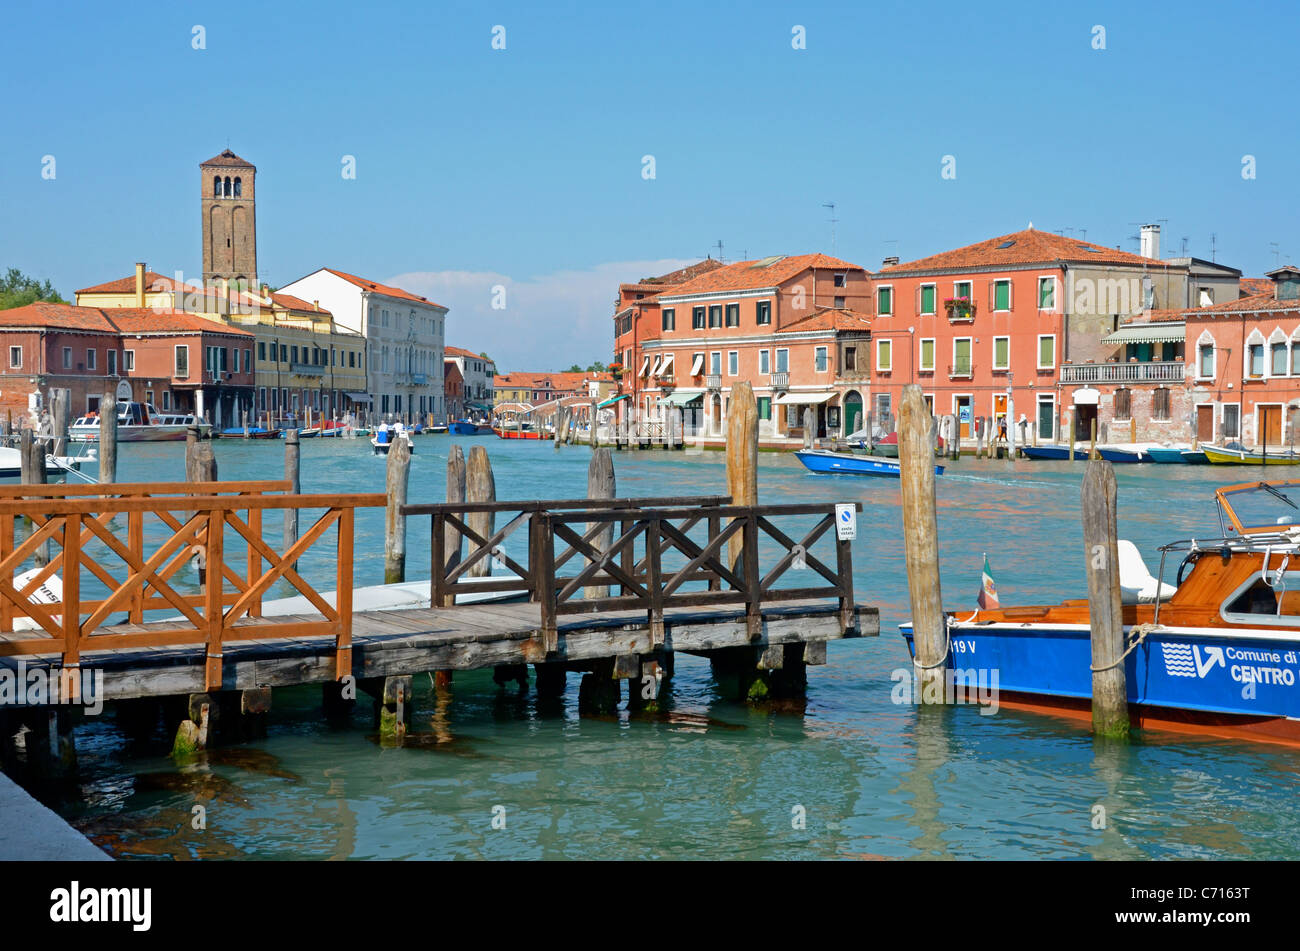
(523, 166)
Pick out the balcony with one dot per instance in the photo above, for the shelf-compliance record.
(306, 369)
(781, 380)
(713, 381)
(960, 309)
(962, 371)
(1170, 371)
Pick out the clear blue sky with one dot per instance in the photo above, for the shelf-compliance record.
(523, 166)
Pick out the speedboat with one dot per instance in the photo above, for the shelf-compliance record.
(847, 463)
(139, 422)
(11, 466)
(1214, 652)
(382, 441)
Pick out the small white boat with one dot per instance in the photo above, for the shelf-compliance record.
(382, 445)
(11, 466)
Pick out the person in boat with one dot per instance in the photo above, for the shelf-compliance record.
(381, 434)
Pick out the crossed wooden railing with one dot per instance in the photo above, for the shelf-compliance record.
(188, 520)
(623, 543)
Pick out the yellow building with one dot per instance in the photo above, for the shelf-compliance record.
(302, 359)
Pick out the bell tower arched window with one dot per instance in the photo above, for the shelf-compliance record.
(227, 186)
(239, 187)
(216, 187)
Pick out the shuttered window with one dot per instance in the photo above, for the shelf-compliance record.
(927, 298)
(1123, 404)
(1002, 295)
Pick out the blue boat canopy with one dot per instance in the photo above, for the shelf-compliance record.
(613, 399)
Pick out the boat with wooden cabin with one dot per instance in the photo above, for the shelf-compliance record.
(139, 422)
(1215, 652)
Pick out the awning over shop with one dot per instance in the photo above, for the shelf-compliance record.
(681, 397)
(1148, 333)
(359, 397)
(613, 399)
(482, 407)
(816, 397)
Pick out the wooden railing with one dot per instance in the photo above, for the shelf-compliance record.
(624, 543)
(70, 519)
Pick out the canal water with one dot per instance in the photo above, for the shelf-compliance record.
(846, 774)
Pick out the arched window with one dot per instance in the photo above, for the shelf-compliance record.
(227, 186)
(216, 187)
(239, 187)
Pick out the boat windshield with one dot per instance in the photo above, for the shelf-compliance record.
(1260, 506)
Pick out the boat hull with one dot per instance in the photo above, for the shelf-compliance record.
(1188, 679)
(1117, 456)
(381, 448)
(1220, 456)
(517, 434)
(1052, 452)
(842, 463)
(463, 427)
(136, 433)
(1166, 455)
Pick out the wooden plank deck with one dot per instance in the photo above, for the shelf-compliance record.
(465, 637)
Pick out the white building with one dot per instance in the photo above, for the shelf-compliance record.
(404, 339)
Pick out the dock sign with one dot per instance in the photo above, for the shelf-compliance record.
(846, 521)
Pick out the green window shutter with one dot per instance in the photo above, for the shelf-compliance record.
(884, 301)
(961, 356)
(927, 300)
(927, 354)
(1002, 301)
(1046, 294)
(1000, 356)
(1047, 352)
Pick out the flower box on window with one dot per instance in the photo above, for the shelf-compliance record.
(959, 308)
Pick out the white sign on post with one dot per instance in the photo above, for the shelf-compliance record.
(846, 521)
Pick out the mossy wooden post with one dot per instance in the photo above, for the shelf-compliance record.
(1092, 442)
(1101, 551)
(921, 545)
(108, 437)
(600, 485)
(480, 486)
(591, 433)
(31, 468)
(1070, 428)
(398, 475)
(808, 431)
(1133, 427)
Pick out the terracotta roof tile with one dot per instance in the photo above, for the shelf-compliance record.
(753, 275)
(384, 289)
(228, 159)
(289, 302)
(1265, 303)
(830, 319)
(146, 320)
(65, 316)
(1251, 286)
(127, 320)
(1023, 248)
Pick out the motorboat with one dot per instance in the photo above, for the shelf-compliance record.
(1213, 650)
(848, 463)
(383, 440)
(1234, 453)
(140, 422)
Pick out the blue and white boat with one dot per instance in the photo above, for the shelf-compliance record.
(1216, 653)
(846, 463)
(1123, 454)
(1052, 452)
(466, 427)
(1168, 455)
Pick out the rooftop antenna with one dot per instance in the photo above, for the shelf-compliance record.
(1184, 251)
(719, 249)
(831, 206)
(1084, 232)
(1214, 245)
(1136, 239)
(1277, 252)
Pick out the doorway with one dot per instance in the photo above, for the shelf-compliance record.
(1084, 417)
(1046, 416)
(1205, 422)
(1270, 424)
(961, 408)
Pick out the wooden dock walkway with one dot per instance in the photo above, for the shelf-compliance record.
(612, 588)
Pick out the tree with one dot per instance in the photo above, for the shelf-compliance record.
(574, 369)
(597, 367)
(19, 290)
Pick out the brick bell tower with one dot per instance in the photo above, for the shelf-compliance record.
(228, 199)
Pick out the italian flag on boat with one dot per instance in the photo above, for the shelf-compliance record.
(988, 588)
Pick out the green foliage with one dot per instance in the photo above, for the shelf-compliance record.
(19, 290)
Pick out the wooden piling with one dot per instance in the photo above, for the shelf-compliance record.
(600, 485)
(451, 537)
(921, 545)
(292, 456)
(61, 417)
(398, 476)
(1092, 442)
(480, 486)
(200, 460)
(1070, 427)
(742, 457)
(1133, 427)
(591, 433)
(108, 436)
(808, 427)
(1101, 551)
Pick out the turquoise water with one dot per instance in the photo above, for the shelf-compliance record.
(707, 777)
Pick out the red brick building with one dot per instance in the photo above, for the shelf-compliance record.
(177, 361)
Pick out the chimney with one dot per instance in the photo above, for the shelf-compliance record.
(139, 283)
(1149, 242)
(889, 261)
(315, 305)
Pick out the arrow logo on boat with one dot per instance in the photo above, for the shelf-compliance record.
(1214, 655)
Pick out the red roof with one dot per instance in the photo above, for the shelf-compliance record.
(227, 159)
(153, 283)
(63, 316)
(1266, 303)
(112, 320)
(831, 319)
(378, 288)
(289, 302)
(558, 381)
(1020, 249)
(679, 276)
(753, 275)
(451, 351)
(1250, 286)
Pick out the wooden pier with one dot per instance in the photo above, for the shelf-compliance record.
(662, 579)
